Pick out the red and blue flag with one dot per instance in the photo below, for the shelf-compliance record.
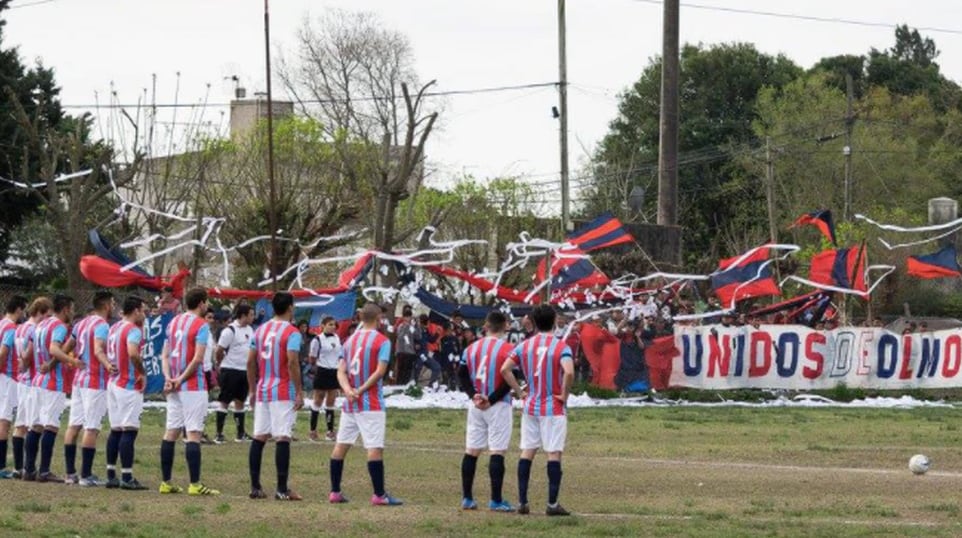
(821, 219)
(572, 267)
(744, 277)
(840, 268)
(602, 232)
(941, 264)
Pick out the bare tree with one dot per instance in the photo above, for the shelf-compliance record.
(355, 77)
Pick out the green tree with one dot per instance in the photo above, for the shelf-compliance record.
(719, 203)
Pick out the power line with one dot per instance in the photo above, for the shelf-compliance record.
(30, 4)
(473, 91)
(810, 18)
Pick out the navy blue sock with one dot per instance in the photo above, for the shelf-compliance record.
(524, 475)
(254, 458)
(70, 458)
(192, 451)
(496, 472)
(166, 459)
(31, 446)
(337, 470)
(468, 465)
(113, 450)
(554, 481)
(47, 441)
(239, 421)
(282, 458)
(3, 454)
(221, 419)
(329, 418)
(87, 461)
(126, 447)
(18, 453)
(314, 414)
(376, 470)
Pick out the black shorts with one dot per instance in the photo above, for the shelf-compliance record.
(326, 379)
(233, 385)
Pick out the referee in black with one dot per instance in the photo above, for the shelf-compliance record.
(233, 347)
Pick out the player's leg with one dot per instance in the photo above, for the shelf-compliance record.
(50, 412)
(282, 424)
(74, 428)
(195, 411)
(317, 399)
(499, 424)
(95, 407)
(31, 444)
(373, 425)
(347, 435)
(553, 433)
(262, 432)
(530, 443)
(240, 419)
(4, 441)
(8, 402)
(330, 396)
(174, 423)
(240, 393)
(475, 440)
(20, 426)
(133, 405)
(223, 400)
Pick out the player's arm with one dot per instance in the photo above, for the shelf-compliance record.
(464, 376)
(26, 358)
(6, 344)
(133, 353)
(165, 360)
(501, 390)
(294, 368)
(567, 366)
(313, 352)
(100, 347)
(59, 349)
(252, 370)
(200, 349)
(383, 359)
(507, 372)
(343, 380)
(69, 345)
(222, 345)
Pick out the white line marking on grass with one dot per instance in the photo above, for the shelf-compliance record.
(820, 521)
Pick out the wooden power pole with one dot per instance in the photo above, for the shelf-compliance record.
(847, 150)
(668, 124)
(563, 117)
(272, 210)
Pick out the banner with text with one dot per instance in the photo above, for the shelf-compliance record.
(155, 333)
(799, 358)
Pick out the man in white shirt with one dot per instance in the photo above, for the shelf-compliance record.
(232, 350)
(325, 350)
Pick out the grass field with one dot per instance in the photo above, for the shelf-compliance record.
(680, 471)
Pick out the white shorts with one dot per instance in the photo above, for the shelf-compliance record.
(187, 409)
(546, 433)
(52, 404)
(8, 398)
(490, 428)
(274, 418)
(368, 424)
(27, 410)
(87, 408)
(124, 407)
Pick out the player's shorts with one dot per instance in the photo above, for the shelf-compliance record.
(274, 418)
(326, 379)
(546, 433)
(52, 404)
(8, 397)
(369, 425)
(87, 408)
(27, 408)
(233, 385)
(187, 409)
(124, 407)
(489, 429)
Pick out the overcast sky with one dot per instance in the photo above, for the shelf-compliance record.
(463, 44)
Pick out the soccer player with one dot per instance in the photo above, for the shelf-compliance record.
(51, 343)
(274, 370)
(489, 419)
(125, 393)
(186, 389)
(546, 362)
(88, 401)
(325, 350)
(359, 372)
(27, 407)
(232, 349)
(9, 368)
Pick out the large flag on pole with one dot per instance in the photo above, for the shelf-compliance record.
(602, 232)
(821, 219)
(840, 267)
(941, 264)
(744, 277)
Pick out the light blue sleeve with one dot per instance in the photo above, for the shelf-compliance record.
(101, 331)
(8, 338)
(203, 335)
(464, 357)
(384, 354)
(254, 342)
(294, 342)
(59, 334)
(566, 354)
(134, 336)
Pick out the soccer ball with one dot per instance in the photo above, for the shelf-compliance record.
(919, 464)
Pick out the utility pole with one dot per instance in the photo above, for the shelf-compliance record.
(272, 210)
(770, 197)
(847, 150)
(563, 117)
(668, 124)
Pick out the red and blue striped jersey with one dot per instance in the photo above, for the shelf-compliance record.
(48, 332)
(484, 359)
(86, 333)
(272, 341)
(540, 359)
(363, 351)
(22, 339)
(8, 330)
(185, 332)
(119, 339)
